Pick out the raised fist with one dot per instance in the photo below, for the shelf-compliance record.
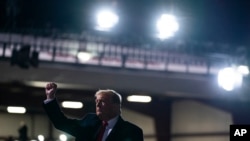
(50, 90)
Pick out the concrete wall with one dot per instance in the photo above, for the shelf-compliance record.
(194, 121)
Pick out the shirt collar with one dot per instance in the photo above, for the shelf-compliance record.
(112, 122)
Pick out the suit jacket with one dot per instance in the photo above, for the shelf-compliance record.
(86, 129)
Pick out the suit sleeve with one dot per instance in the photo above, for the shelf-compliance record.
(132, 133)
(137, 135)
(140, 133)
(59, 120)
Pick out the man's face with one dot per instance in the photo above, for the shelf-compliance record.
(105, 108)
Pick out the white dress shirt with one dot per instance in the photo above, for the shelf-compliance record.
(109, 127)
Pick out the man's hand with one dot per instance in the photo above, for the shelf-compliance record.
(50, 90)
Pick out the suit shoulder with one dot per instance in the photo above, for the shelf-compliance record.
(131, 125)
(90, 116)
(89, 119)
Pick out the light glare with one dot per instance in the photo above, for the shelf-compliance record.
(167, 25)
(229, 78)
(106, 19)
(84, 56)
(72, 104)
(40, 137)
(17, 110)
(63, 137)
(139, 98)
(243, 70)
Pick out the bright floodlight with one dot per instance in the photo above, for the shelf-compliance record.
(244, 70)
(167, 26)
(40, 137)
(63, 137)
(229, 78)
(106, 19)
(84, 56)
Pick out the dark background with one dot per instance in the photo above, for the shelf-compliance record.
(225, 21)
(216, 21)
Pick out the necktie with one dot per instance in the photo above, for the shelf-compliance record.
(102, 130)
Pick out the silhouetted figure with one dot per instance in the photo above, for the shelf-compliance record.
(106, 124)
(23, 130)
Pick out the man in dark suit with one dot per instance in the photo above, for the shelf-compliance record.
(104, 125)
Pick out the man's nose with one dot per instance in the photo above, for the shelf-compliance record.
(98, 104)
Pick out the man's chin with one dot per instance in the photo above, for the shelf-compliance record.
(100, 116)
(98, 113)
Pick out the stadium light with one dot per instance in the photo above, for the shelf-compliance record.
(244, 70)
(229, 78)
(106, 19)
(167, 25)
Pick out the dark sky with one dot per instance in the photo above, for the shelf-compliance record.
(218, 20)
(202, 20)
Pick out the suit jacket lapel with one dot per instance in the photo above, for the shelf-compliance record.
(98, 127)
(115, 129)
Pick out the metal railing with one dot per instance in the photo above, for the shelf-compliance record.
(105, 54)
